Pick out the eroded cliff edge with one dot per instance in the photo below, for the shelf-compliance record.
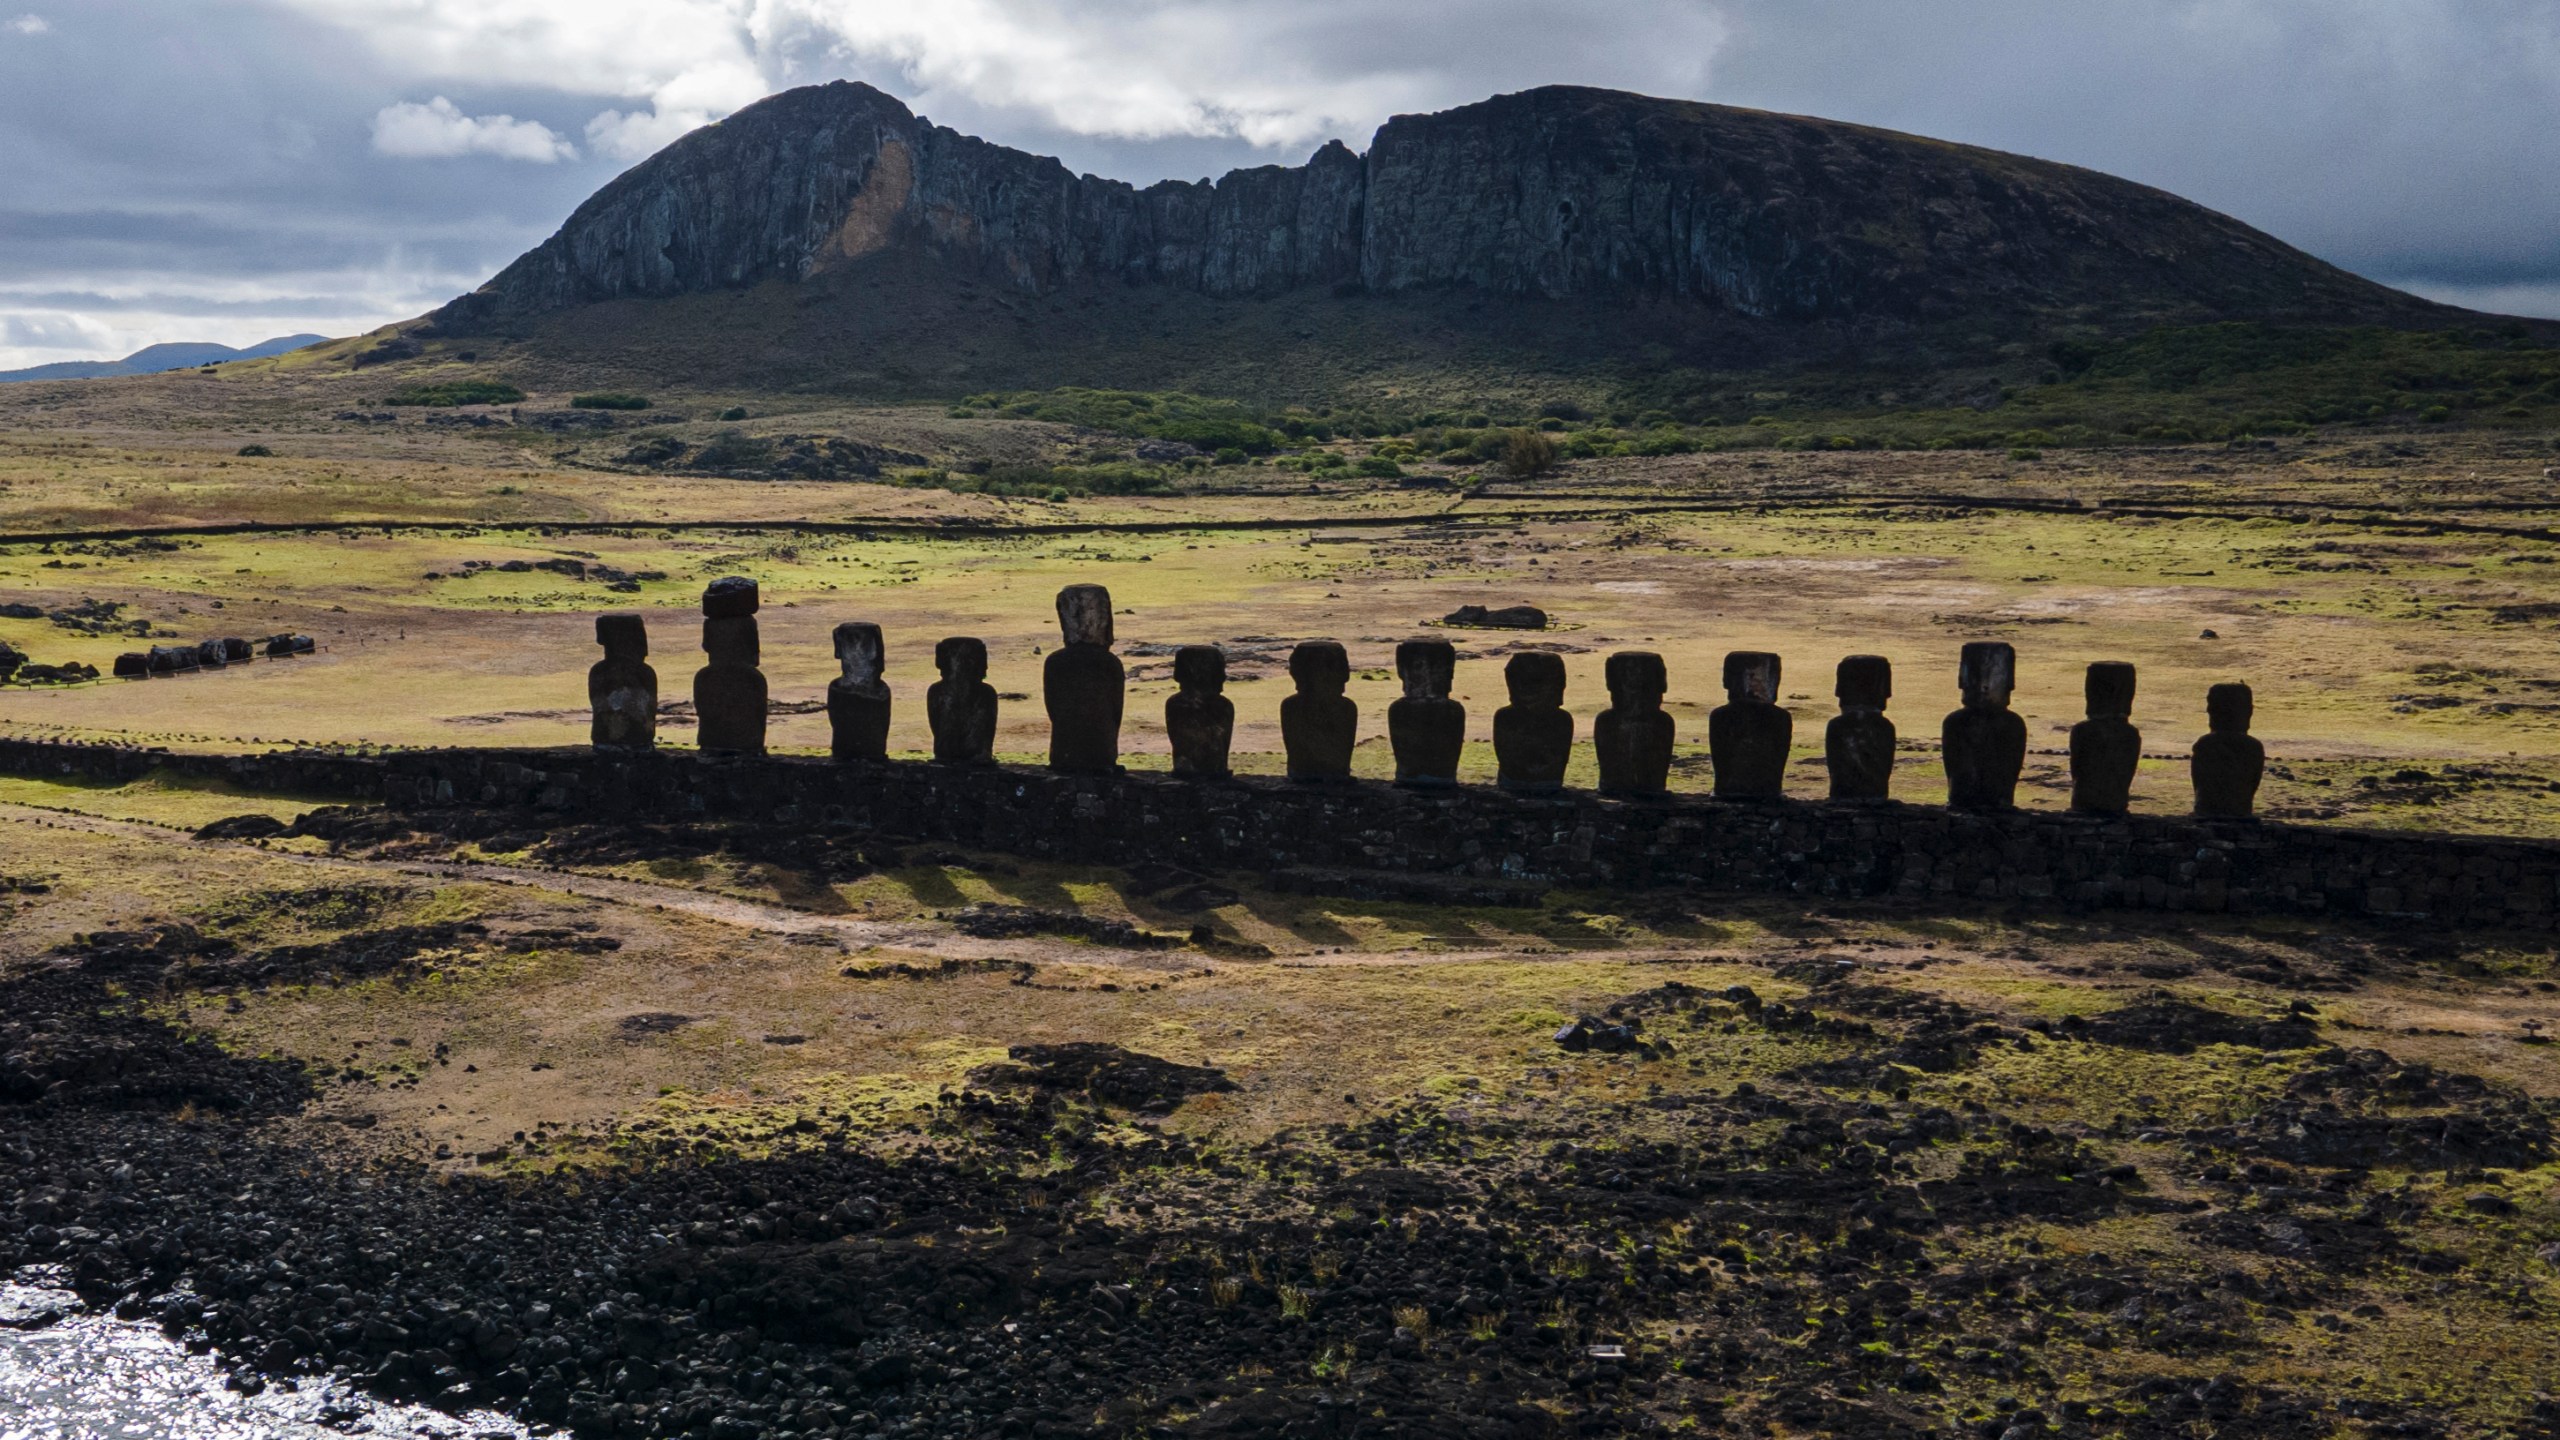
(1559, 193)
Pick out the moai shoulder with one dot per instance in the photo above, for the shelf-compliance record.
(1533, 735)
(858, 700)
(1858, 743)
(2105, 748)
(729, 690)
(1199, 720)
(961, 706)
(1319, 724)
(1632, 738)
(2228, 762)
(1084, 685)
(622, 691)
(1748, 736)
(1427, 729)
(1984, 744)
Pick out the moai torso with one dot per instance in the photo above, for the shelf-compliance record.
(1084, 685)
(2105, 748)
(858, 699)
(1858, 743)
(1632, 738)
(1199, 719)
(622, 690)
(729, 691)
(1427, 729)
(1748, 736)
(1533, 735)
(2228, 762)
(1984, 743)
(1319, 724)
(961, 706)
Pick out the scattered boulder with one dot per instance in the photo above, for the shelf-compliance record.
(1609, 1037)
(242, 827)
(1107, 1072)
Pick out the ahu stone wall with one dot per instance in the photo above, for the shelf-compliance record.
(1816, 849)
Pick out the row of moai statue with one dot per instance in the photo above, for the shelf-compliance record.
(1749, 737)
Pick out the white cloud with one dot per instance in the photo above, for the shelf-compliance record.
(34, 330)
(438, 130)
(32, 25)
(1272, 76)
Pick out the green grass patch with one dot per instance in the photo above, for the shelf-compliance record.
(448, 393)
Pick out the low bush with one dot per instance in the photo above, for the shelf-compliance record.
(609, 400)
(449, 393)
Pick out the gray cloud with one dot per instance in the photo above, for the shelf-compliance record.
(228, 178)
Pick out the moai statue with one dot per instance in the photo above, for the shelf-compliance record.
(1858, 744)
(1533, 735)
(621, 688)
(728, 692)
(1748, 735)
(858, 700)
(961, 706)
(1633, 736)
(1198, 717)
(2228, 761)
(1319, 724)
(1084, 685)
(1984, 744)
(1426, 728)
(2105, 748)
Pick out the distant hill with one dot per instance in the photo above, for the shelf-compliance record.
(152, 359)
(827, 236)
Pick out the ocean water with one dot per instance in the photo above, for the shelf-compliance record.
(71, 1373)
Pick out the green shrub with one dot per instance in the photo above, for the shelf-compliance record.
(256, 451)
(1527, 453)
(1230, 455)
(1379, 467)
(456, 392)
(609, 400)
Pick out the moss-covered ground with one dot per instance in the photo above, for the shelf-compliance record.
(1854, 1169)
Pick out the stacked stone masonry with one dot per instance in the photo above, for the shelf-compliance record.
(1815, 849)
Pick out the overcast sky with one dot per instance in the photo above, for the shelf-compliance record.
(234, 169)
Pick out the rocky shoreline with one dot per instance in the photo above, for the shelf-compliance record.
(1024, 1260)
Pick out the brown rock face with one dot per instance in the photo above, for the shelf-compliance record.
(1555, 193)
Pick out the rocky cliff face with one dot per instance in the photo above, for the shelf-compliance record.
(1558, 193)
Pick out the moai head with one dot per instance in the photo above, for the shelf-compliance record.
(2109, 689)
(1536, 679)
(1084, 615)
(623, 636)
(1427, 667)
(962, 658)
(1987, 673)
(1865, 682)
(1751, 677)
(1637, 679)
(1320, 667)
(732, 598)
(860, 650)
(1200, 669)
(2230, 707)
